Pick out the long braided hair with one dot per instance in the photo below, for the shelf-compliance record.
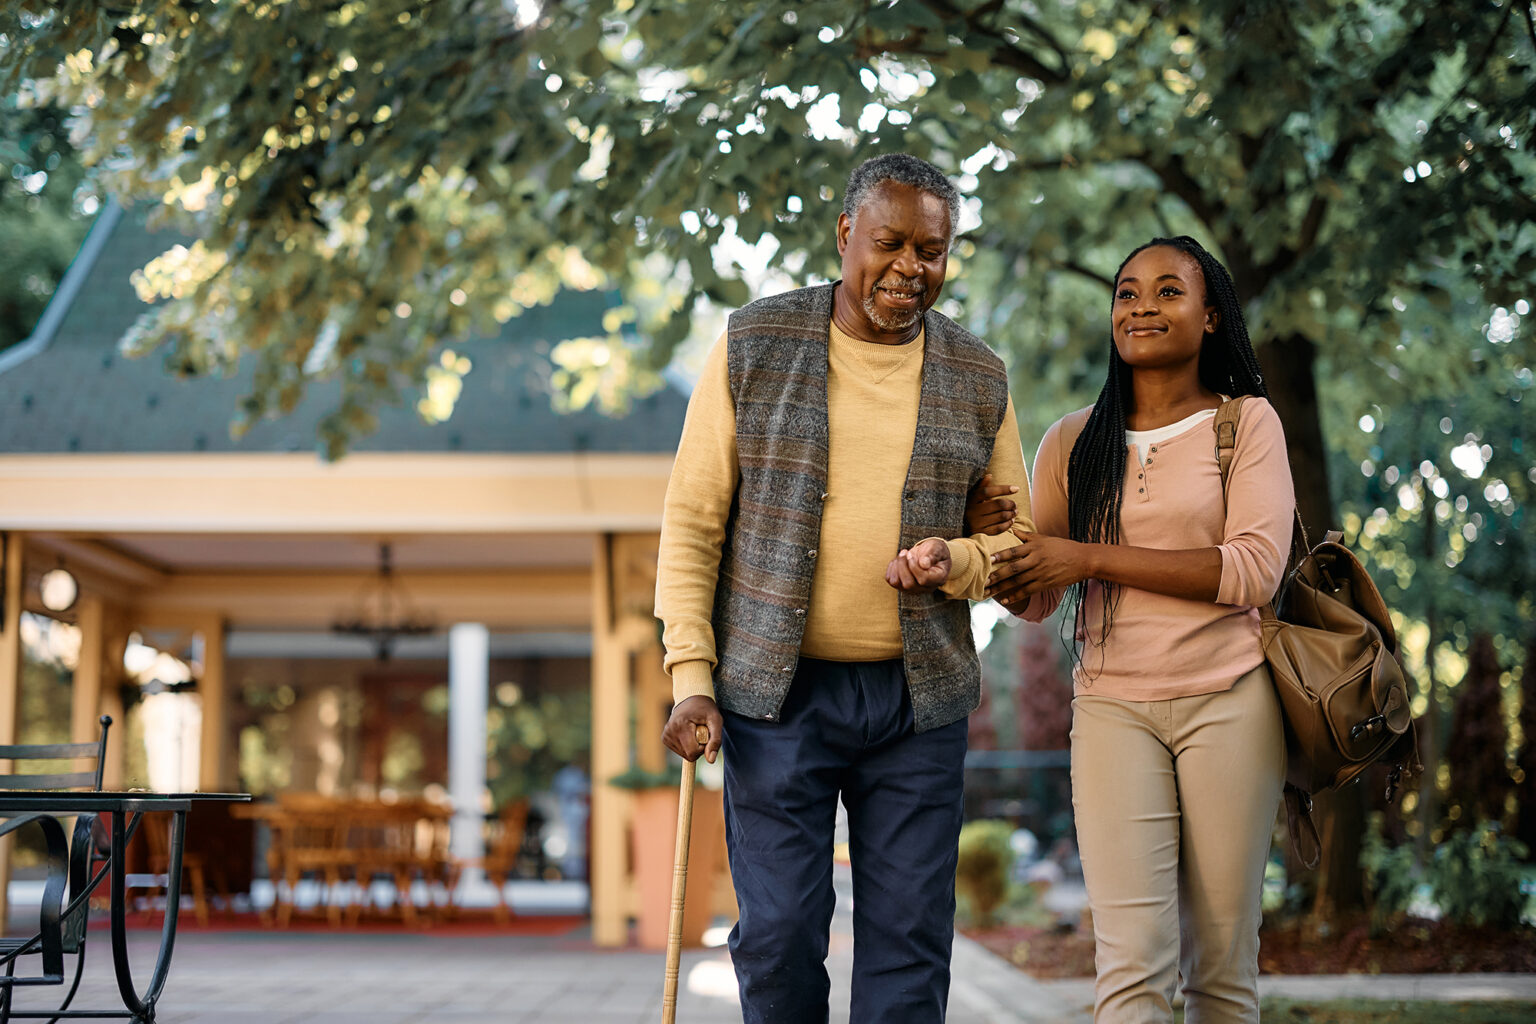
(1096, 469)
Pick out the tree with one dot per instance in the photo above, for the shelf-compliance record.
(1525, 766)
(370, 179)
(1435, 482)
(1475, 751)
(45, 204)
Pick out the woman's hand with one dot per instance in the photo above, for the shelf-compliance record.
(986, 510)
(921, 568)
(1038, 563)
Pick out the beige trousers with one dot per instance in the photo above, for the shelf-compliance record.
(1175, 801)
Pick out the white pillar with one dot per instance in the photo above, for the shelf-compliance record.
(468, 695)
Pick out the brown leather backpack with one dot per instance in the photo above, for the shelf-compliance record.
(1332, 651)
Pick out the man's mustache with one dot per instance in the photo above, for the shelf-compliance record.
(903, 284)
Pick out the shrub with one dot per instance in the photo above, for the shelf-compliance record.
(981, 875)
(1475, 876)
(1391, 876)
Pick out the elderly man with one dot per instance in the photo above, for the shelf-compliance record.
(813, 583)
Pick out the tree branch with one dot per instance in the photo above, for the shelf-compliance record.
(1311, 225)
(1004, 51)
(1082, 271)
(1177, 179)
(1482, 60)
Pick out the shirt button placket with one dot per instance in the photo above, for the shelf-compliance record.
(1142, 490)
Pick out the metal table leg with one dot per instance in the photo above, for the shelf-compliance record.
(143, 1008)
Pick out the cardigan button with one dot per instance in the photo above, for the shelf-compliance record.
(811, 553)
(785, 668)
(823, 495)
(800, 611)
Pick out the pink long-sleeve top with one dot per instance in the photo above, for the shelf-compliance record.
(1161, 647)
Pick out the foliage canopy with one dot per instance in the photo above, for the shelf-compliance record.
(370, 179)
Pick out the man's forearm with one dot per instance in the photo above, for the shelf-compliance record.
(971, 563)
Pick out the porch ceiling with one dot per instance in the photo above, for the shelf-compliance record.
(179, 553)
(512, 581)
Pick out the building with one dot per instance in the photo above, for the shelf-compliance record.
(528, 537)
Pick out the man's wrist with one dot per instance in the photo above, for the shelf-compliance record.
(692, 679)
(959, 559)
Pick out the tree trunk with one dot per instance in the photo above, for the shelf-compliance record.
(1288, 372)
(1429, 724)
(1525, 823)
(1340, 816)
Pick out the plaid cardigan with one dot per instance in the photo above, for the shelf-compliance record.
(777, 356)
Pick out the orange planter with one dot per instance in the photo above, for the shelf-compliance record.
(653, 834)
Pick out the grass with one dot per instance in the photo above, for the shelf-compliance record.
(1386, 1011)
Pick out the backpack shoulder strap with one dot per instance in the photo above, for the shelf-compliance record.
(1227, 415)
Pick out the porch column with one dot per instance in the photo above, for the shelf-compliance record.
(608, 858)
(623, 636)
(214, 745)
(110, 697)
(10, 676)
(85, 695)
(469, 667)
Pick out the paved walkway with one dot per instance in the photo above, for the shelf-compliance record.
(374, 978)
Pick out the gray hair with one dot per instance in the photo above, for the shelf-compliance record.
(902, 169)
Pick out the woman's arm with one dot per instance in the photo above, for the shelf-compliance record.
(1042, 564)
(1244, 569)
(1048, 493)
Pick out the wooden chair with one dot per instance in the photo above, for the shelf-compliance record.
(63, 916)
(384, 838)
(503, 844)
(157, 834)
(309, 837)
(402, 842)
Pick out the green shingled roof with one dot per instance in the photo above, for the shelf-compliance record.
(76, 393)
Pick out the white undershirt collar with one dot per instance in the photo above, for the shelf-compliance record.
(1144, 438)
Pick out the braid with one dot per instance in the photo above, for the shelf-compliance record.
(1096, 466)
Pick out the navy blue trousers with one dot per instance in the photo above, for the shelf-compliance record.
(845, 730)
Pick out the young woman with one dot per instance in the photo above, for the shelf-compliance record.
(1178, 756)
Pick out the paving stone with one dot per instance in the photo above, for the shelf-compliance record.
(381, 978)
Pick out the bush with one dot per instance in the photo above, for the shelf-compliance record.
(1391, 876)
(981, 875)
(1476, 877)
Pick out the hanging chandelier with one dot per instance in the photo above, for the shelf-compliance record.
(383, 613)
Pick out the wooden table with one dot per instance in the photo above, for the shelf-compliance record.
(347, 842)
(126, 809)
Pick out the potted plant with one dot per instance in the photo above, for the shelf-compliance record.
(653, 834)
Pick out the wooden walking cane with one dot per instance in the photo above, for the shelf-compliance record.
(680, 882)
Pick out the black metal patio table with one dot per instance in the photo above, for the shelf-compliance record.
(126, 809)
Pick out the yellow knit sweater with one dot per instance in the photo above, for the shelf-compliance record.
(872, 400)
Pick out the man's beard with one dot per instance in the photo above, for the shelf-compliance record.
(895, 321)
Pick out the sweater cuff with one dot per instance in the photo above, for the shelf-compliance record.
(692, 679)
(960, 557)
